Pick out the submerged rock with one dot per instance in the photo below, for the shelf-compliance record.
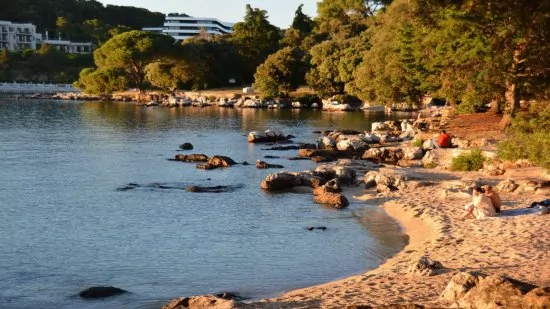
(214, 189)
(191, 158)
(330, 194)
(97, 292)
(186, 146)
(265, 165)
(217, 162)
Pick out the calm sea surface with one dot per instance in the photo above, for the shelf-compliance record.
(64, 226)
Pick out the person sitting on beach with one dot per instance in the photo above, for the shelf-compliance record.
(493, 196)
(480, 207)
(442, 141)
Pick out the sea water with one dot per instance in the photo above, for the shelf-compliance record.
(67, 222)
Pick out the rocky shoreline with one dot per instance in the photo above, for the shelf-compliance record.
(447, 262)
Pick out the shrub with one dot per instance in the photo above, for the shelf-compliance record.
(418, 142)
(529, 137)
(468, 161)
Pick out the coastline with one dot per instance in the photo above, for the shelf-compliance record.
(512, 246)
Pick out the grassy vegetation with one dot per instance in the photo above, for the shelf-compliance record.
(529, 136)
(468, 161)
(418, 142)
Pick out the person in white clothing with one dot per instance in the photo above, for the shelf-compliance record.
(480, 207)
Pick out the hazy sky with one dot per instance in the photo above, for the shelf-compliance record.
(281, 12)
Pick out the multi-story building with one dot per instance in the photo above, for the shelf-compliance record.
(68, 46)
(21, 36)
(17, 36)
(182, 26)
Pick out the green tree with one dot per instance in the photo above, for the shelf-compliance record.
(280, 74)
(256, 39)
(131, 52)
(528, 136)
(392, 71)
(518, 39)
(101, 82)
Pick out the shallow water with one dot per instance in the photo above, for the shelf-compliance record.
(64, 226)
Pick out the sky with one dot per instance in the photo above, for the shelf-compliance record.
(281, 12)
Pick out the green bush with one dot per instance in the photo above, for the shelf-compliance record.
(468, 161)
(529, 137)
(418, 142)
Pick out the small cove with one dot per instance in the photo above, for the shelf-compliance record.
(65, 227)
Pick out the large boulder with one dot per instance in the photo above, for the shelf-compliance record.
(353, 143)
(379, 126)
(371, 138)
(414, 153)
(507, 185)
(281, 180)
(97, 292)
(201, 302)
(537, 298)
(330, 194)
(495, 292)
(459, 285)
(217, 162)
(390, 155)
(469, 290)
(327, 143)
(270, 135)
(425, 267)
(344, 174)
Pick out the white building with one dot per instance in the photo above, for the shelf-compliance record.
(69, 47)
(17, 36)
(21, 36)
(182, 26)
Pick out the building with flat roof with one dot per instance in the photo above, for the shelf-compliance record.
(17, 36)
(182, 26)
(21, 36)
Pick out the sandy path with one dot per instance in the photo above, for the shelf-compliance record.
(517, 246)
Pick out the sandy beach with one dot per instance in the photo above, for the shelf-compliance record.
(514, 246)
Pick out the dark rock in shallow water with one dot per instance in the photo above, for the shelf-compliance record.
(191, 158)
(97, 292)
(215, 189)
(282, 148)
(130, 186)
(186, 146)
(311, 228)
(271, 157)
(299, 158)
(263, 165)
(231, 296)
(317, 132)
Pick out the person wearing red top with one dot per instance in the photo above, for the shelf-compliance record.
(442, 141)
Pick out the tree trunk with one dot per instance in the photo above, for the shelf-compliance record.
(495, 107)
(511, 95)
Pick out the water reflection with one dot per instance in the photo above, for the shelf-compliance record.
(131, 116)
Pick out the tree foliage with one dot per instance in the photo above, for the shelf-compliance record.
(529, 136)
(101, 82)
(131, 52)
(280, 74)
(256, 39)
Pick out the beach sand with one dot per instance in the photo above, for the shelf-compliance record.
(514, 246)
